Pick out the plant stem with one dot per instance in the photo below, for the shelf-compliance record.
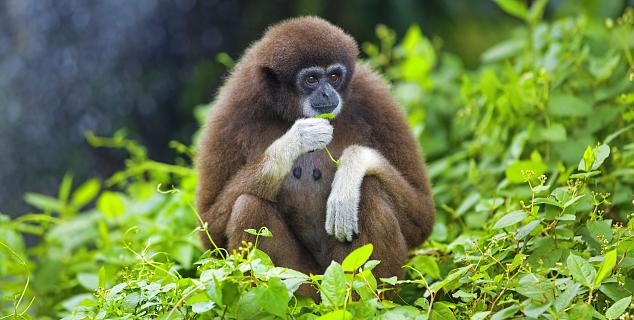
(331, 157)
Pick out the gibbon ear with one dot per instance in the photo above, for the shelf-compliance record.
(270, 76)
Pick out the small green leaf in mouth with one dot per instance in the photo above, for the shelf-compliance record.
(328, 116)
(325, 116)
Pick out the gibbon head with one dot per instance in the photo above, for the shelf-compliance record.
(305, 65)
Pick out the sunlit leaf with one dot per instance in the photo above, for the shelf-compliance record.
(515, 8)
(85, 193)
(605, 270)
(110, 204)
(357, 258)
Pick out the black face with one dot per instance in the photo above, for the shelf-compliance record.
(320, 89)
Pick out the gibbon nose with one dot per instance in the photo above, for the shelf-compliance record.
(324, 108)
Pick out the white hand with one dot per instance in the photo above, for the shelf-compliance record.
(342, 217)
(312, 134)
(305, 135)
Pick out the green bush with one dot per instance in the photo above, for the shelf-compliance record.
(532, 160)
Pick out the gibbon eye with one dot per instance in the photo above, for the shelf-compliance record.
(311, 79)
(334, 77)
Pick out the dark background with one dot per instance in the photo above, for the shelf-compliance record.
(67, 67)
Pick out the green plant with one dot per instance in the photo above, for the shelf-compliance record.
(531, 158)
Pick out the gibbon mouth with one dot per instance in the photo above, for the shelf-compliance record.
(325, 108)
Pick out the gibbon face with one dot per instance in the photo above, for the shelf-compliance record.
(319, 89)
(306, 64)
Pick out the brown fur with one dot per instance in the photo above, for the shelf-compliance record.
(258, 105)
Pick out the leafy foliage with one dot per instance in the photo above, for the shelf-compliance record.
(532, 160)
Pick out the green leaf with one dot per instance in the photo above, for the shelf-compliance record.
(357, 258)
(265, 232)
(43, 202)
(65, 188)
(514, 172)
(594, 158)
(422, 303)
(371, 264)
(214, 290)
(603, 68)
(337, 315)
(536, 287)
(601, 153)
(440, 311)
(503, 50)
(516, 8)
(618, 308)
(325, 116)
(251, 231)
(605, 270)
(390, 280)
(614, 291)
(400, 312)
(549, 201)
(563, 300)
(517, 261)
(333, 286)
(505, 313)
(246, 308)
(489, 84)
(556, 132)
(427, 265)
(581, 270)
(110, 204)
(183, 253)
(365, 284)
(230, 293)
(453, 275)
(419, 54)
(573, 200)
(600, 229)
(89, 281)
(536, 11)
(101, 274)
(203, 306)
(467, 203)
(588, 160)
(535, 308)
(510, 219)
(619, 132)
(566, 217)
(487, 205)
(85, 193)
(273, 298)
(581, 311)
(481, 315)
(568, 105)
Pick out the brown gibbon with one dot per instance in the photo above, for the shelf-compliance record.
(261, 160)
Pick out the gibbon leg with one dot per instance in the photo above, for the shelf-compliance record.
(250, 212)
(377, 225)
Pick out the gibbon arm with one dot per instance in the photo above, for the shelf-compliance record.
(261, 178)
(413, 206)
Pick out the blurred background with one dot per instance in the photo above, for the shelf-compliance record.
(69, 67)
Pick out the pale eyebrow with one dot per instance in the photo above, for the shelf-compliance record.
(318, 70)
(335, 66)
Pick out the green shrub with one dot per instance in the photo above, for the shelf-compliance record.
(532, 160)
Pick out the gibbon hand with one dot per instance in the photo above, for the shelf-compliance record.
(342, 211)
